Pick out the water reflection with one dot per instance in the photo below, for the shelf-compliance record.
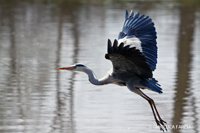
(37, 37)
(58, 120)
(183, 83)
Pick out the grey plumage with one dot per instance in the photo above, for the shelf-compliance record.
(128, 60)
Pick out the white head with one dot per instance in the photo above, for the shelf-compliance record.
(75, 67)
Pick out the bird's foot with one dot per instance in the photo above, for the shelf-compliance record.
(162, 125)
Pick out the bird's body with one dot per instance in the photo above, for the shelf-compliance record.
(134, 57)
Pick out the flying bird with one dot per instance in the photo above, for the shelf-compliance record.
(134, 58)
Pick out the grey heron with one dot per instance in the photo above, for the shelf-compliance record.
(134, 58)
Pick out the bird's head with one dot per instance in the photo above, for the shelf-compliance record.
(75, 67)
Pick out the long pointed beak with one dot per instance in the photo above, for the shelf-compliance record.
(65, 68)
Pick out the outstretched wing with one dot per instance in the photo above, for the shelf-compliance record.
(139, 31)
(127, 60)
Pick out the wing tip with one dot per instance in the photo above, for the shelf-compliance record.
(131, 14)
(126, 14)
(109, 49)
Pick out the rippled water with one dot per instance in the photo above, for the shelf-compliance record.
(37, 37)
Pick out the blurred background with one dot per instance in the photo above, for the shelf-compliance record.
(37, 36)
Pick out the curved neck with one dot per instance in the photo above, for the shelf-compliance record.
(94, 80)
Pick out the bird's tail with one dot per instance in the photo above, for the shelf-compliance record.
(152, 84)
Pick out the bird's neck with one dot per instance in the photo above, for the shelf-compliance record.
(94, 80)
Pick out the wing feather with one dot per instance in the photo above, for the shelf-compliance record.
(128, 60)
(141, 27)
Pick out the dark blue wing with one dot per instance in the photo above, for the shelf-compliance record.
(142, 28)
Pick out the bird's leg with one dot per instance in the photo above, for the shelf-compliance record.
(161, 123)
(153, 103)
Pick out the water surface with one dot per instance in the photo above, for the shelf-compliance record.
(37, 37)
